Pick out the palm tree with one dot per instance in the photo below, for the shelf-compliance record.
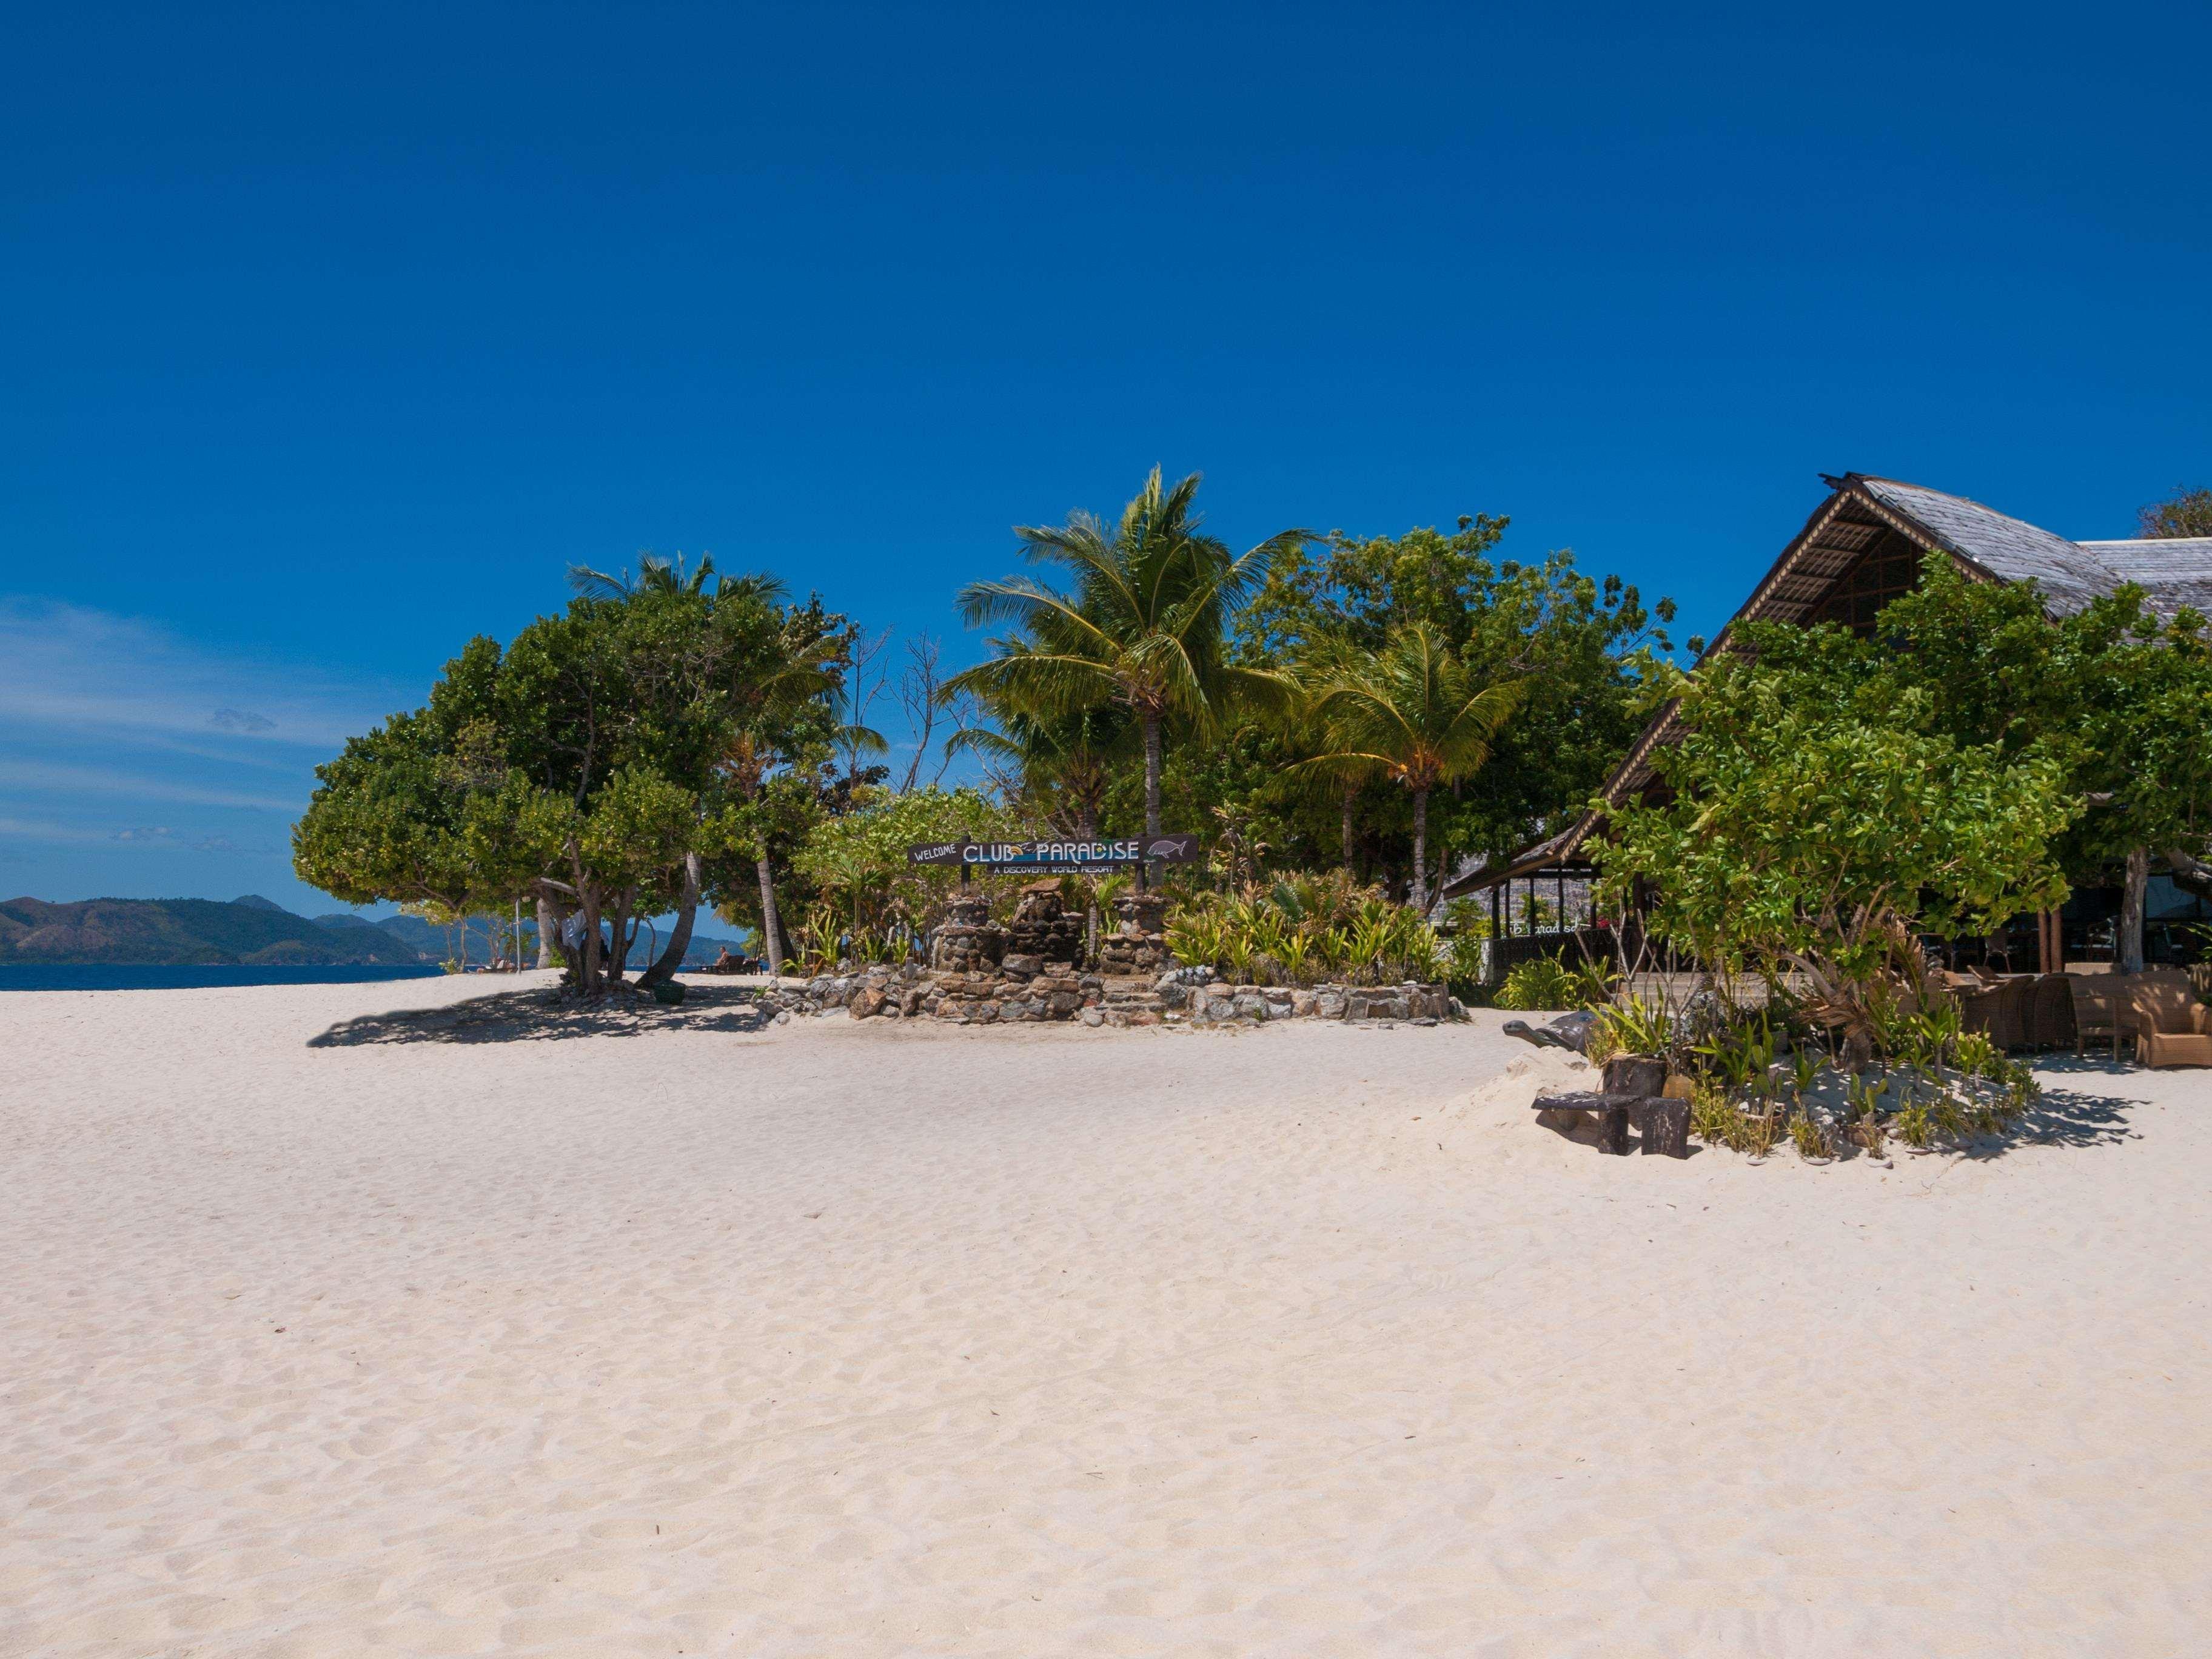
(1415, 713)
(1143, 627)
(1067, 763)
(1321, 664)
(789, 670)
(656, 573)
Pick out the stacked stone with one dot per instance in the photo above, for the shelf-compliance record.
(1419, 1005)
(1021, 988)
(967, 941)
(1138, 945)
(1042, 929)
(1025, 989)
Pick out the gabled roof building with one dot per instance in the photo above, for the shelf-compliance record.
(1862, 548)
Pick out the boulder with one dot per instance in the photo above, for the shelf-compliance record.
(1094, 1017)
(1328, 1003)
(1025, 967)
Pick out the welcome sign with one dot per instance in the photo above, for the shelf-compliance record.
(1054, 856)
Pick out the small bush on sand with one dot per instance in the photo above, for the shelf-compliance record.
(1547, 982)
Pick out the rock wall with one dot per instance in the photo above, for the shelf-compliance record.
(1022, 989)
(1042, 930)
(967, 941)
(1138, 945)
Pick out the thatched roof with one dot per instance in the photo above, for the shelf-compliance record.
(2174, 571)
(1866, 520)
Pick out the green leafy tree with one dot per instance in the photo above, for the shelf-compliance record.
(775, 776)
(2184, 512)
(586, 765)
(2120, 697)
(1141, 628)
(1587, 649)
(858, 860)
(1820, 821)
(1415, 714)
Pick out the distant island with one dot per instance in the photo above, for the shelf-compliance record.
(250, 931)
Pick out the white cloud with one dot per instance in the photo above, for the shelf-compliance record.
(53, 779)
(72, 670)
(46, 830)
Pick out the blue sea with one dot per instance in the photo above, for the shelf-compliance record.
(102, 976)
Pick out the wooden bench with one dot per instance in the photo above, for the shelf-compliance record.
(1665, 1123)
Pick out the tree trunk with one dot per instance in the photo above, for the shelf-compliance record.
(548, 929)
(1421, 851)
(1151, 775)
(1350, 793)
(2128, 942)
(679, 941)
(587, 976)
(771, 924)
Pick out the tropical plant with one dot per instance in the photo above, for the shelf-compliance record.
(1142, 627)
(1059, 768)
(1545, 983)
(1413, 712)
(1636, 1025)
(1810, 1136)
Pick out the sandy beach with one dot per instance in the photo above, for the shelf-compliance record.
(329, 1333)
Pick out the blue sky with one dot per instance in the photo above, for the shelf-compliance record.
(333, 337)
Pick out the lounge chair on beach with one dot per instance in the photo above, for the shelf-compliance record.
(2171, 1027)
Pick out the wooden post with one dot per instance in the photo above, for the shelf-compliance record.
(1636, 1074)
(1613, 1130)
(1666, 1128)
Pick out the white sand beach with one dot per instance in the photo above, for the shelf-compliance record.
(864, 1339)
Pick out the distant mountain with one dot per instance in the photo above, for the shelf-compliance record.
(142, 931)
(254, 932)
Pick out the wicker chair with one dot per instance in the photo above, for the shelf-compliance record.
(2096, 1010)
(1999, 1007)
(2050, 1013)
(2170, 1026)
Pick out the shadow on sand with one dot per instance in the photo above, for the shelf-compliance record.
(2064, 1116)
(546, 1014)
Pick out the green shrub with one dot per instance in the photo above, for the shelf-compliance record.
(1547, 983)
(1637, 1026)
